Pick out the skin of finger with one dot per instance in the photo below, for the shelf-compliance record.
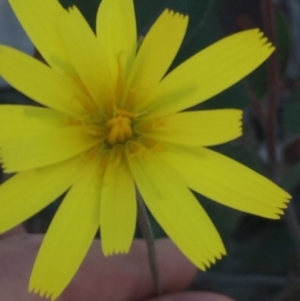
(192, 296)
(14, 231)
(17, 253)
(120, 277)
(128, 277)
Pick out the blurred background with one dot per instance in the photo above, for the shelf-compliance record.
(263, 261)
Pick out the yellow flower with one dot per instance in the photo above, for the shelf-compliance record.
(113, 120)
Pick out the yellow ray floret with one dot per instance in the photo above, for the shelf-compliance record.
(39, 19)
(21, 202)
(209, 72)
(70, 234)
(156, 53)
(226, 181)
(116, 32)
(118, 205)
(167, 196)
(41, 83)
(205, 128)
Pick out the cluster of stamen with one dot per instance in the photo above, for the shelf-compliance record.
(119, 129)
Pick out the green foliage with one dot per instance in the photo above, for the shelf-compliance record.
(291, 113)
(291, 178)
(282, 40)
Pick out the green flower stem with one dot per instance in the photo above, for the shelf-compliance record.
(148, 235)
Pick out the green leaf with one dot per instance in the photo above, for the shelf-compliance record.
(291, 178)
(234, 97)
(282, 39)
(291, 113)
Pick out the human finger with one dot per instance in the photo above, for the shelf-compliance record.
(192, 296)
(14, 231)
(128, 277)
(119, 277)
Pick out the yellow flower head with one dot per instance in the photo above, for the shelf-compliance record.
(113, 120)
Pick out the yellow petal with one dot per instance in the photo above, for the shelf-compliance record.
(18, 121)
(156, 53)
(175, 207)
(28, 192)
(47, 148)
(40, 18)
(39, 82)
(226, 181)
(200, 128)
(69, 236)
(116, 31)
(87, 56)
(209, 72)
(118, 206)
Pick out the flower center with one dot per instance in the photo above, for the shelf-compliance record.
(119, 129)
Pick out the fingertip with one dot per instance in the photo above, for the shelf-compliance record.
(193, 296)
(128, 277)
(14, 231)
(176, 270)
